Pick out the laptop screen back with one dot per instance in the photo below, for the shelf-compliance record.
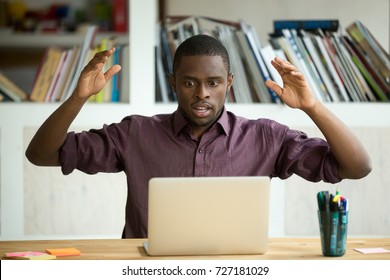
(208, 215)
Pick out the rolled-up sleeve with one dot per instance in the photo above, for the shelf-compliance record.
(68, 154)
(310, 158)
(92, 151)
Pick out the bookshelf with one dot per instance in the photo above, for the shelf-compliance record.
(24, 186)
(19, 41)
(16, 118)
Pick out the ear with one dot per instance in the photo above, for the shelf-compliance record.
(172, 81)
(229, 81)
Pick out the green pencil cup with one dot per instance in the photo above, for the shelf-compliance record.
(333, 232)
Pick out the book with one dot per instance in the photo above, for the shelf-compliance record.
(161, 79)
(315, 54)
(307, 25)
(11, 91)
(360, 34)
(254, 75)
(109, 88)
(241, 86)
(351, 84)
(115, 92)
(181, 28)
(225, 31)
(308, 58)
(295, 56)
(329, 61)
(350, 92)
(69, 68)
(178, 28)
(379, 89)
(45, 73)
(63, 69)
(59, 70)
(52, 91)
(167, 58)
(309, 68)
(356, 75)
(255, 46)
(119, 15)
(89, 57)
(85, 47)
(269, 53)
(105, 94)
(124, 88)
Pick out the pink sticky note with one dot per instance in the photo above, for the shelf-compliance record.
(29, 255)
(372, 250)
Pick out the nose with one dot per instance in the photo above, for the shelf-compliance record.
(202, 92)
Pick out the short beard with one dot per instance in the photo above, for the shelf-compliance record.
(210, 123)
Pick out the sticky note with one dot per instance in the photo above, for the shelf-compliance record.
(29, 255)
(372, 250)
(62, 252)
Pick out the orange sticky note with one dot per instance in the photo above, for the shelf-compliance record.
(62, 252)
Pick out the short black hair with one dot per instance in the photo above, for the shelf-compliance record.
(201, 45)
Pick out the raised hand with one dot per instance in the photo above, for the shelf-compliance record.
(92, 78)
(296, 92)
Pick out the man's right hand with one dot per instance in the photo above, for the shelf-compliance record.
(92, 79)
(44, 147)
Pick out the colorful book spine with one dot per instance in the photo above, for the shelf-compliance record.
(119, 15)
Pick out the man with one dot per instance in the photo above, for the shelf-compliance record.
(201, 138)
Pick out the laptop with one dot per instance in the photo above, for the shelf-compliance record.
(208, 216)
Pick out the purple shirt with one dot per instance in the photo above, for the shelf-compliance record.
(162, 146)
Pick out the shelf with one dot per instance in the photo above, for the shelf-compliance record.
(21, 40)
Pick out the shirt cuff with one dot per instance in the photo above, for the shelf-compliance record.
(68, 155)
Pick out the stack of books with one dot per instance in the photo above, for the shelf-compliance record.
(242, 43)
(9, 91)
(60, 69)
(339, 66)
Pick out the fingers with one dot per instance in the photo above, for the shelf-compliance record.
(285, 67)
(112, 71)
(274, 87)
(99, 59)
(93, 77)
(102, 58)
(282, 65)
(96, 64)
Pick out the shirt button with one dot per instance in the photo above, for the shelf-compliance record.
(200, 151)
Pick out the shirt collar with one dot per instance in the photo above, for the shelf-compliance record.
(179, 122)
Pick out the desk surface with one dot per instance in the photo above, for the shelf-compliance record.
(127, 249)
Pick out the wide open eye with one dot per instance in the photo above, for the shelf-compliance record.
(189, 84)
(213, 83)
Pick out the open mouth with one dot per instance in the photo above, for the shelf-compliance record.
(202, 110)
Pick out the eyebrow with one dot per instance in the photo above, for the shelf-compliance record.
(195, 78)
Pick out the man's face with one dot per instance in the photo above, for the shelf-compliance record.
(201, 83)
